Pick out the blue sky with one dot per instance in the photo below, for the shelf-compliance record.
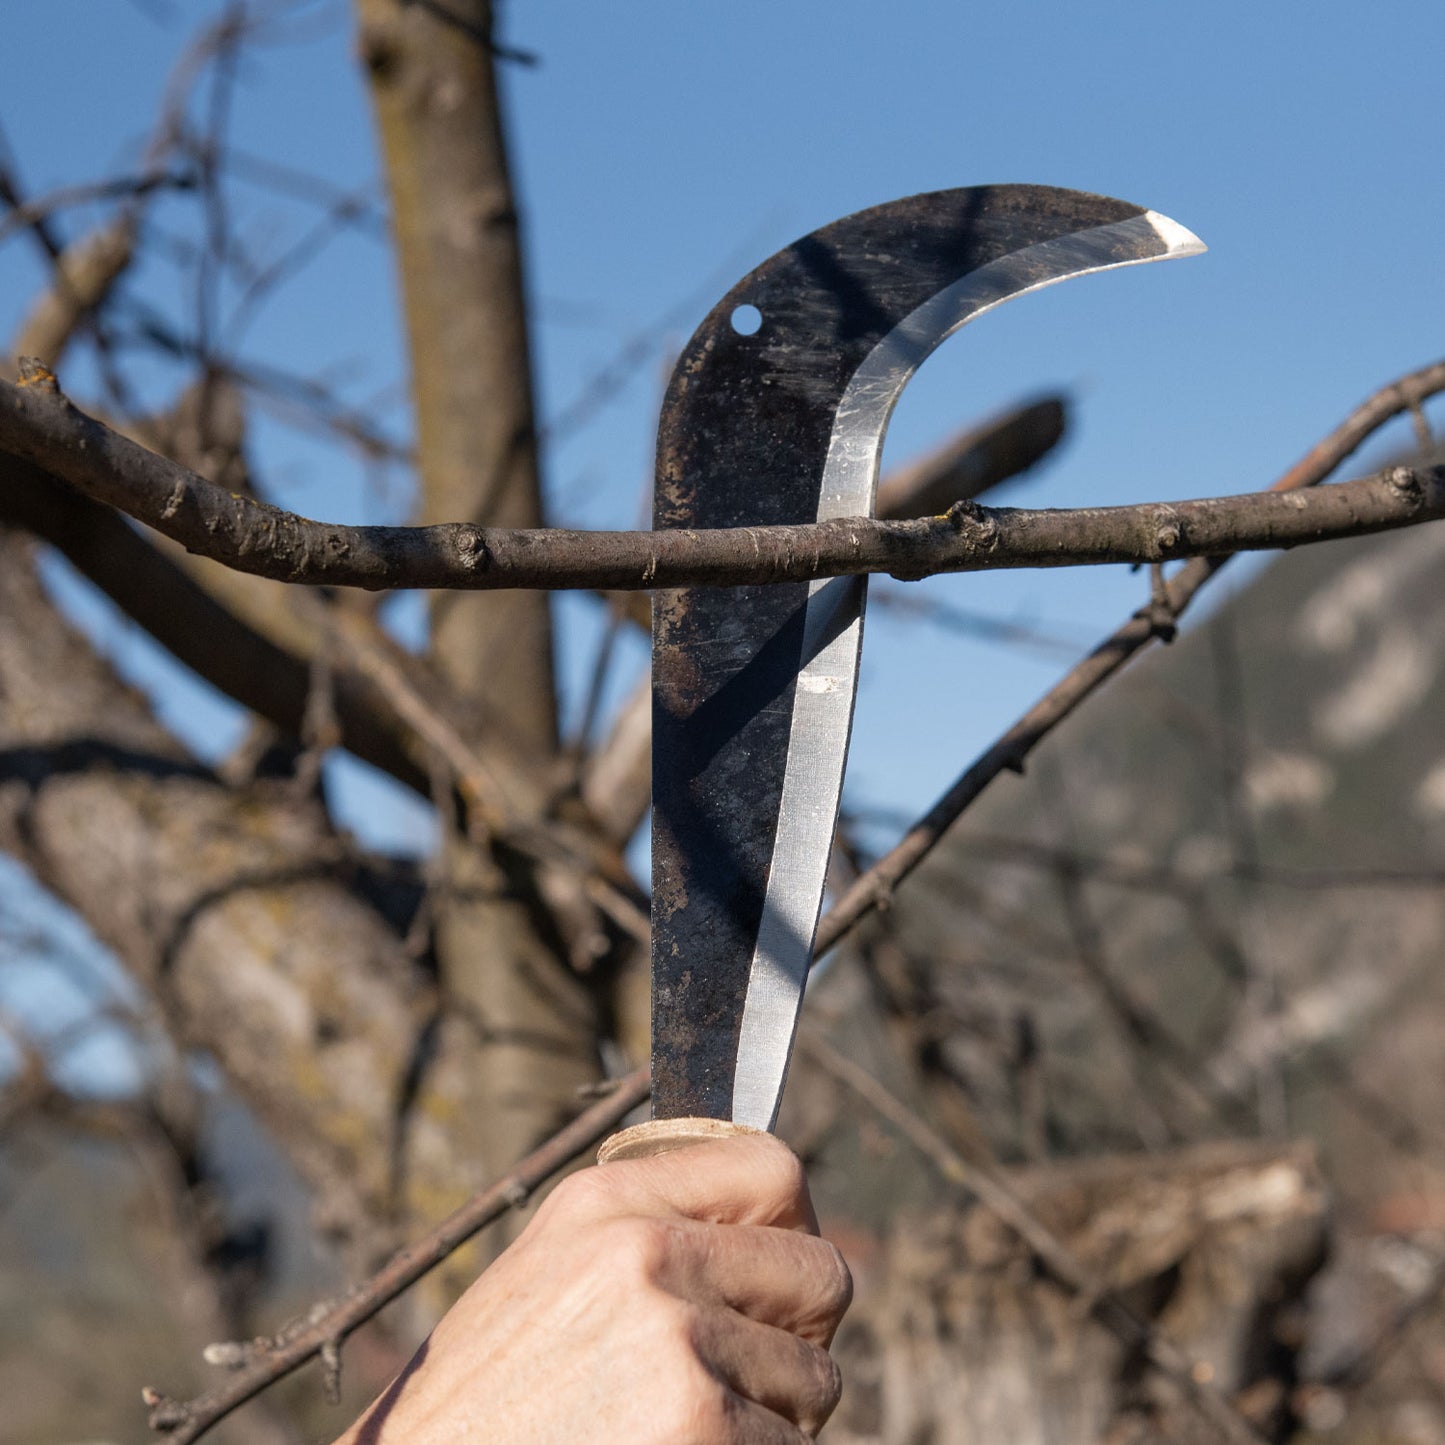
(662, 149)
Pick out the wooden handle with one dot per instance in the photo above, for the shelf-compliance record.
(662, 1136)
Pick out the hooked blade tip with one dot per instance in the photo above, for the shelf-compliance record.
(1180, 240)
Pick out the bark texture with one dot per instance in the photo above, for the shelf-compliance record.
(431, 70)
(233, 909)
(955, 1339)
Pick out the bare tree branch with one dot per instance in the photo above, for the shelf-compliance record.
(188, 621)
(40, 425)
(458, 247)
(874, 889)
(504, 800)
(977, 459)
(617, 778)
(301, 401)
(616, 781)
(380, 693)
(267, 1361)
(393, 710)
(84, 276)
(1401, 396)
(267, 173)
(28, 213)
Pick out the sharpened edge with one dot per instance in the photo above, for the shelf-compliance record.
(821, 720)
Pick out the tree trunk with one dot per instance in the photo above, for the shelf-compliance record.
(431, 71)
(458, 250)
(232, 908)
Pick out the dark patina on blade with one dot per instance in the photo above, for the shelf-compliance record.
(753, 686)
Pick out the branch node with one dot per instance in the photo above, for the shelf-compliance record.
(965, 514)
(1405, 482)
(472, 549)
(516, 1193)
(166, 1414)
(379, 50)
(36, 375)
(228, 1354)
(1169, 533)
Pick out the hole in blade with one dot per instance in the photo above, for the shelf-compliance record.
(747, 320)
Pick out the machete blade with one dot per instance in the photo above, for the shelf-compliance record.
(777, 415)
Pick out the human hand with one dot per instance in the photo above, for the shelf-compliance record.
(684, 1300)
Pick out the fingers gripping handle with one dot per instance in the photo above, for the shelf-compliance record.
(662, 1136)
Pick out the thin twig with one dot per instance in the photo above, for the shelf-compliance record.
(301, 400)
(288, 264)
(28, 213)
(185, 1421)
(875, 888)
(269, 174)
(502, 799)
(979, 626)
(79, 310)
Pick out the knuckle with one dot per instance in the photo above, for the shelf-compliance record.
(837, 1281)
(642, 1247)
(821, 1387)
(680, 1325)
(637, 1247)
(830, 1382)
(695, 1407)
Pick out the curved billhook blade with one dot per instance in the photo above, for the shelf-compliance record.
(782, 421)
